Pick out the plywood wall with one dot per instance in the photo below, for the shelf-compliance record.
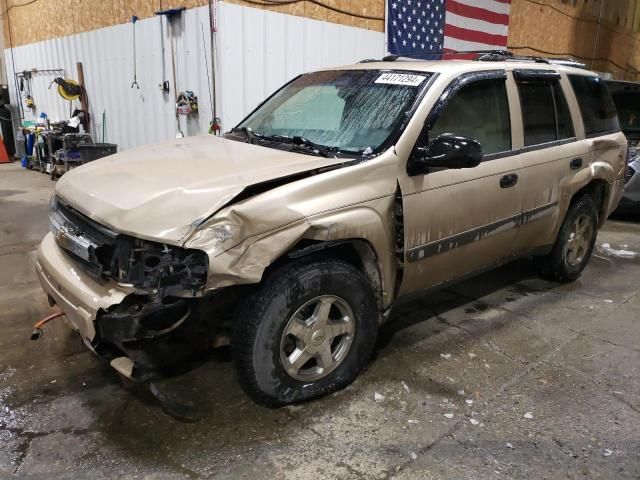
(544, 27)
(571, 27)
(47, 19)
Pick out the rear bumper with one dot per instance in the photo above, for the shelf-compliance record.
(78, 295)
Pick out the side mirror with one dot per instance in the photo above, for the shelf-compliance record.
(445, 151)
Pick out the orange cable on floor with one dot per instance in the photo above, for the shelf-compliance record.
(37, 328)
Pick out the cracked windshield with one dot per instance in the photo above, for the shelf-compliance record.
(353, 111)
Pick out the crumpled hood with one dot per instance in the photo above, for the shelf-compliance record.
(162, 192)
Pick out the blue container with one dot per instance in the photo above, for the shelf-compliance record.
(31, 138)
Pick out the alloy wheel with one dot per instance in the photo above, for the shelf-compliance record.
(317, 338)
(579, 240)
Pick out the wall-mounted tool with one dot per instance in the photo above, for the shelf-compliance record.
(23, 82)
(172, 15)
(25, 89)
(67, 88)
(134, 19)
(164, 85)
(29, 102)
(187, 103)
(215, 125)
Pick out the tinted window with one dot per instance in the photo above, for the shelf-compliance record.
(563, 116)
(545, 113)
(480, 111)
(596, 106)
(628, 106)
(538, 113)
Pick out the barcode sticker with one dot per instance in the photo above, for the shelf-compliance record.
(400, 79)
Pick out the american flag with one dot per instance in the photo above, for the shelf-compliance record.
(429, 28)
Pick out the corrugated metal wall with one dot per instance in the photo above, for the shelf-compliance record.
(257, 50)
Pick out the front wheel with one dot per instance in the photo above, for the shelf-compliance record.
(574, 243)
(307, 331)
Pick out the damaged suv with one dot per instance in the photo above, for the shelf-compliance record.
(348, 189)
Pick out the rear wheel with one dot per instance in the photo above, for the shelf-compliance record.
(574, 243)
(307, 331)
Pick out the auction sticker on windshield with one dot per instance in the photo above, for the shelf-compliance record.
(400, 79)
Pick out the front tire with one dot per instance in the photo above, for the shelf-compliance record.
(574, 243)
(307, 331)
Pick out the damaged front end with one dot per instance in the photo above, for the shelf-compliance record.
(161, 269)
(160, 322)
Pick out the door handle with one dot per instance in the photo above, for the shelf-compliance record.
(508, 180)
(576, 163)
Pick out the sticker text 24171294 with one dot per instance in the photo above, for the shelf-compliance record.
(400, 79)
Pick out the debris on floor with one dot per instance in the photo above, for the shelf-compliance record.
(620, 253)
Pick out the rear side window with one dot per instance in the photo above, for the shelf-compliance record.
(545, 114)
(538, 114)
(479, 110)
(563, 116)
(597, 107)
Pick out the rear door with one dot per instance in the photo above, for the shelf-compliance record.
(458, 221)
(602, 133)
(550, 154)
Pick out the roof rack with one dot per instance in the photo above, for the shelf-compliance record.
(568, 62)
(493, 56)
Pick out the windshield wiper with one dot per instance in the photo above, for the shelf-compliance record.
(322, 149)
(299, 141)
(250, 134)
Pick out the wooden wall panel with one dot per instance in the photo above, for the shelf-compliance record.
(569, 28)
(46, 19)
(563, 27)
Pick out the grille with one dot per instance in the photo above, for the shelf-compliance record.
(79, 236)
(76, 224)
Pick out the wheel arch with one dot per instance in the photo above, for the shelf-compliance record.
(600, 190)
(357, 252)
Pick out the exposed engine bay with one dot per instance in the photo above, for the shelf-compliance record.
(153, 267)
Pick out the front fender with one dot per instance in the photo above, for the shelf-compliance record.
(246, 262)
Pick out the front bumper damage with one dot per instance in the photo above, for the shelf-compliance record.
(140, 335)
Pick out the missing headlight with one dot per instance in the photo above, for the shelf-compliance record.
(146, 265)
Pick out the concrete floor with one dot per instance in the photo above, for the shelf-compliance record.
(506, 376)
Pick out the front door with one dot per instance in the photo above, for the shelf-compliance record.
(458, 221)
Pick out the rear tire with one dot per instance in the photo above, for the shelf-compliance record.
(574, 243)
(307, 331)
